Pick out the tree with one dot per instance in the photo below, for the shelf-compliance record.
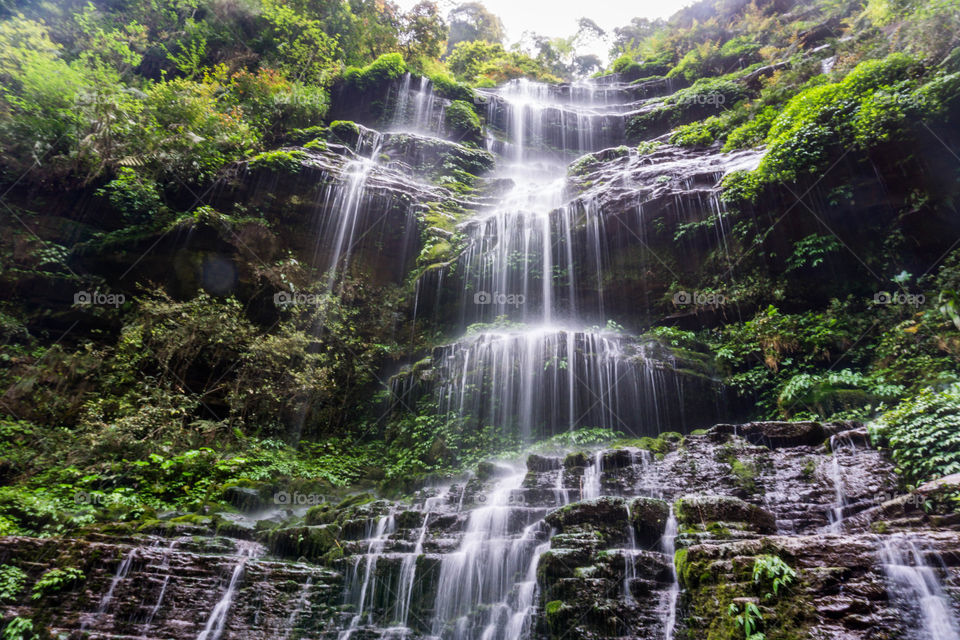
(424, 31)
(470, 22)
(628, 38)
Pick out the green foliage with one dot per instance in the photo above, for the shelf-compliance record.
(753, 132)
(630, 69)
(12, 580)
(773, 570)
(748, 620)
(387, 67)
(298, 45)
(447, 87)
(923, 434)
(56, 580)
(811, 251)
(281, 161)
(864, 109)
(19, 629)
(740, 186)
(487, 64)
(463, 122)
(134, 196)
(835, 391)
(706, 96)
(700, 133)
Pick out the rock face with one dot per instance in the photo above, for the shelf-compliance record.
(577, 544)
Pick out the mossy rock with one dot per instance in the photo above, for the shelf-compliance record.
(311, 542)
(773, 434)
(345, 132)
(703, 511)
(462, 122)
(575, 460)
(649, 519)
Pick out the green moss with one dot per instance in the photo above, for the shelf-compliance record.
(463, 122)
(447, 87)
(745, 474)
(389, 66)
(280, 161)
(345, 131)
(316, 145)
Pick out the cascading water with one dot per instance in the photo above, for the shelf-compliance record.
(362, 591)
(836, 476)
(915, 586)
(591, 478)
(669, 549)
(221, 611)
(408, 567)
(629, 560)
(478, 593)
(122, 570)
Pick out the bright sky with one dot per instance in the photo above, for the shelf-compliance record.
(559, 17)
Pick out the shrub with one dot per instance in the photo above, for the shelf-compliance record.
(281, 161)
(821, 120)
(135, 197)
(56, 580)
(447, 87)
(463, 122)
(703, 132)
(923, 434)
(387, 67)
(345, 131)
(12, 580)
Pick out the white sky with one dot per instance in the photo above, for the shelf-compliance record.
(559, 17)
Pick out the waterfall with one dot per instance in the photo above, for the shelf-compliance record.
(913, 584)
(477, 596)
(669, 550)
(591, 478)
(836, 476)
(165, 565)
(122, 570)
(302, 599)
(408, 567)
(629, 559)
(367, 587)
(538, 381)
(218, 616)
(560, 493)
(418, 110)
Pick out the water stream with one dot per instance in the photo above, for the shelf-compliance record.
(915, 585)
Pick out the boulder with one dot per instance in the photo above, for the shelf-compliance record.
(773, 434)
(704, 510)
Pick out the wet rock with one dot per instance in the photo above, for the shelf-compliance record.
(774, 434)
(246, 499)
(705, 510)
